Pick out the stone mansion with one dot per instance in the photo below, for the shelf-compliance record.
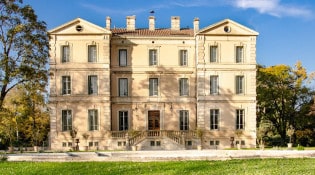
(152, 88)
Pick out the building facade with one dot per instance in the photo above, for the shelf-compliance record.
(152, 88)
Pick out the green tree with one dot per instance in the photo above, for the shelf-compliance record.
(24, 47)
(26, 118)
(35, 114)
(281, 94)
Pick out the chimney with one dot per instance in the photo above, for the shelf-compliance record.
(108, 21)
(196, 25)
(131, 22)
(175, 23)
(151, 23)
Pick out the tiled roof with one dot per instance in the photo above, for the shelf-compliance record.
(156, 32)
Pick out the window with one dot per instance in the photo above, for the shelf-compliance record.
(214, 119)
(123, 121)
(92, 53)
(66, 120)
(183, 87)
(93, 119)
(183, 120)
(239, 83)
(152, 57)
(66, 85)
(122, 57)
(214, 84)
(153, 87)
(65, 56)
(240, 119)
(123, 87)
(92, 84)
(213, 53)
(239, 54)
(214, 142)
(183, 58)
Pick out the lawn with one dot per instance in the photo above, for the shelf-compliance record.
(249, 166)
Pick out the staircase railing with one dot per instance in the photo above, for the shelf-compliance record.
(177, 136)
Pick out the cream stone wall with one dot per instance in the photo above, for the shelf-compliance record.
(168, 71)
(226, 68)
(226, 35)
(78, 68)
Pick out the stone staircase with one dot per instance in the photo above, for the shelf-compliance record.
(160, 139)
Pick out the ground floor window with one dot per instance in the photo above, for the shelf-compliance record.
(93, 119)
(183, 120)
(123, 120)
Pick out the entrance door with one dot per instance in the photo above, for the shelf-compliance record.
(154, 120)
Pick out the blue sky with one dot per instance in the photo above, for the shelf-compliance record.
(286, 27)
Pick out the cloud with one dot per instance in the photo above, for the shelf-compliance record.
(274, 8)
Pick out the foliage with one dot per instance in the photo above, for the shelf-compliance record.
(282, 95)
(300, 148)
(25, 119)
(24, 47)
(251, 166)
(264, 131)
(3, 157)
(305, 137)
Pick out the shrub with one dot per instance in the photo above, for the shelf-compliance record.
(3, 157)
(299, 147)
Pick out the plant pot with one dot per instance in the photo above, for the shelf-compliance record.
(36, 148)
(199, 147)
(290, 145)
(11, 149)
(134, 148)
(238, 146)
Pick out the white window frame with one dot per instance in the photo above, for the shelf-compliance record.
(184, 87)
(214, 84)
(153, 57)
(122, 59)
(123, 87)
(214, 119)
(239, 54)
(66, 120)
(92, 53)
(92, 84)
(239, 84)
(153, 86)
(240, 119)
(93, 120)
(66, 85)
(183, 57)
(183, 120)
(213, 54)
(65, 53)
(123, 120)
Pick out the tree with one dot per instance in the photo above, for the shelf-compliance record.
(281, 94)
(35, 114)
(24, 47)
(26, 118)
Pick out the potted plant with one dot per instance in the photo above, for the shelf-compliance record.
(238, 133)
(73, 134)
(200, 133)
(85, 137)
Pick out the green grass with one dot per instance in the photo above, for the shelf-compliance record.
(246, 167)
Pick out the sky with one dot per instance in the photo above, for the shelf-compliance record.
(286, 27)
